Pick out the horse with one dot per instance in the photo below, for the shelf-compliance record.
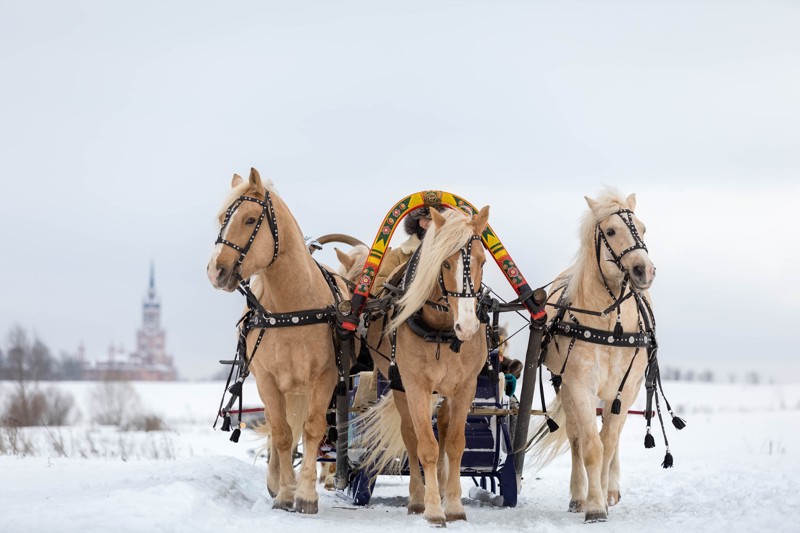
(295, 367)
(440, 296)
(597, 355)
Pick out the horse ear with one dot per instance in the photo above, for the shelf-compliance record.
(437, 218)
(592, 203)
(631, 201)
(255, 179)
(345, 259)
(481, 220)
(237, 180)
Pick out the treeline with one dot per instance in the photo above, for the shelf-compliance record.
(24, 357)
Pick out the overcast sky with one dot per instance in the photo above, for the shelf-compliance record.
(122, 123)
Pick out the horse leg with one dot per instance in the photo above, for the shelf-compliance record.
(306, 499)
(416, 487)
(326, 475)
(273, 471)
(580, 405)
(612, 427)
(281, 447)
(428, 449)
(577, 482)
(443, 424)
(456, 440)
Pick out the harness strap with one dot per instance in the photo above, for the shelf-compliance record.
(606, 338)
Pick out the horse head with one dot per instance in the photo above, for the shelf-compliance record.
(243, 246)
(618, 240)
(450, 269)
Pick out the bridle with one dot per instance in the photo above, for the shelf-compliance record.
(638, 244)
(266, 209)
(468, 288)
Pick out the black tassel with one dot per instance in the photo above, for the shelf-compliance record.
(551, 425)
(333, 434)
(226, 423)
(455, 346)
(395, 382)
(235, 435)
(555, 379)
(616, 406)
(341, 388)
(236, 389)
(678, 422)
(649, 441)
(667, 461)
(618, 330)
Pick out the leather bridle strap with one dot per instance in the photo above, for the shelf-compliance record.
(267, 211)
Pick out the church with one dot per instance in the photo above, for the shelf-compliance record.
(150, 361)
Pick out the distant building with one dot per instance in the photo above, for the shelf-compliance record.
(150, 361)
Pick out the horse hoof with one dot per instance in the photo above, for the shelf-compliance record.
(306, 506)
(283, 505)
(576, 506)
(416, 508)
(436, 521)
(613, 497)
(596, 516)
(452, 517)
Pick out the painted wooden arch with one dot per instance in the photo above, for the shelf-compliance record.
(431, 199)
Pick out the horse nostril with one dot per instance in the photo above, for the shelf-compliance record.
(638, 271)
(221, 271)
(458, 327)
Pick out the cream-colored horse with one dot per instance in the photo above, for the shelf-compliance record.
(611, 256)
(295, 367)
(453, 250)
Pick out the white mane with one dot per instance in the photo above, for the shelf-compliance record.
(438, 245)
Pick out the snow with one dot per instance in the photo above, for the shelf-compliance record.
(737, 468)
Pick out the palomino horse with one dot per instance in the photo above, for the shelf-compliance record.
(295, 367)
(599, 355)
(448, 275)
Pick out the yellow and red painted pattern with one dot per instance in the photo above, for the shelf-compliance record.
(430, 199)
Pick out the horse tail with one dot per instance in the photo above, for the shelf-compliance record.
(379, 446)
(546, 445)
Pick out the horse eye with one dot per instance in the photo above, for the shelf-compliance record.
(446, 265)
(610, 232)
(250, 221)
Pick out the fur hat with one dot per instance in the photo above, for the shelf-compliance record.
(411, 222)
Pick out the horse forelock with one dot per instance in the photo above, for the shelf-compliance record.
(240, 190)
(438, 245)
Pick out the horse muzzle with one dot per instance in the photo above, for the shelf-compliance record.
(222, 277)
(642, 276)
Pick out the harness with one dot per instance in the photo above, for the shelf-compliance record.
(645, 337)
(258, 318)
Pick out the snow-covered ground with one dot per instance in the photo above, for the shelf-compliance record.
(737, 468)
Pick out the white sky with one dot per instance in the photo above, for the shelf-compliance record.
(121, 124)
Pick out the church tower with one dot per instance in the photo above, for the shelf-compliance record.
(151, 339)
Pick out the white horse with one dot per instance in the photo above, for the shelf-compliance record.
(599, 356)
